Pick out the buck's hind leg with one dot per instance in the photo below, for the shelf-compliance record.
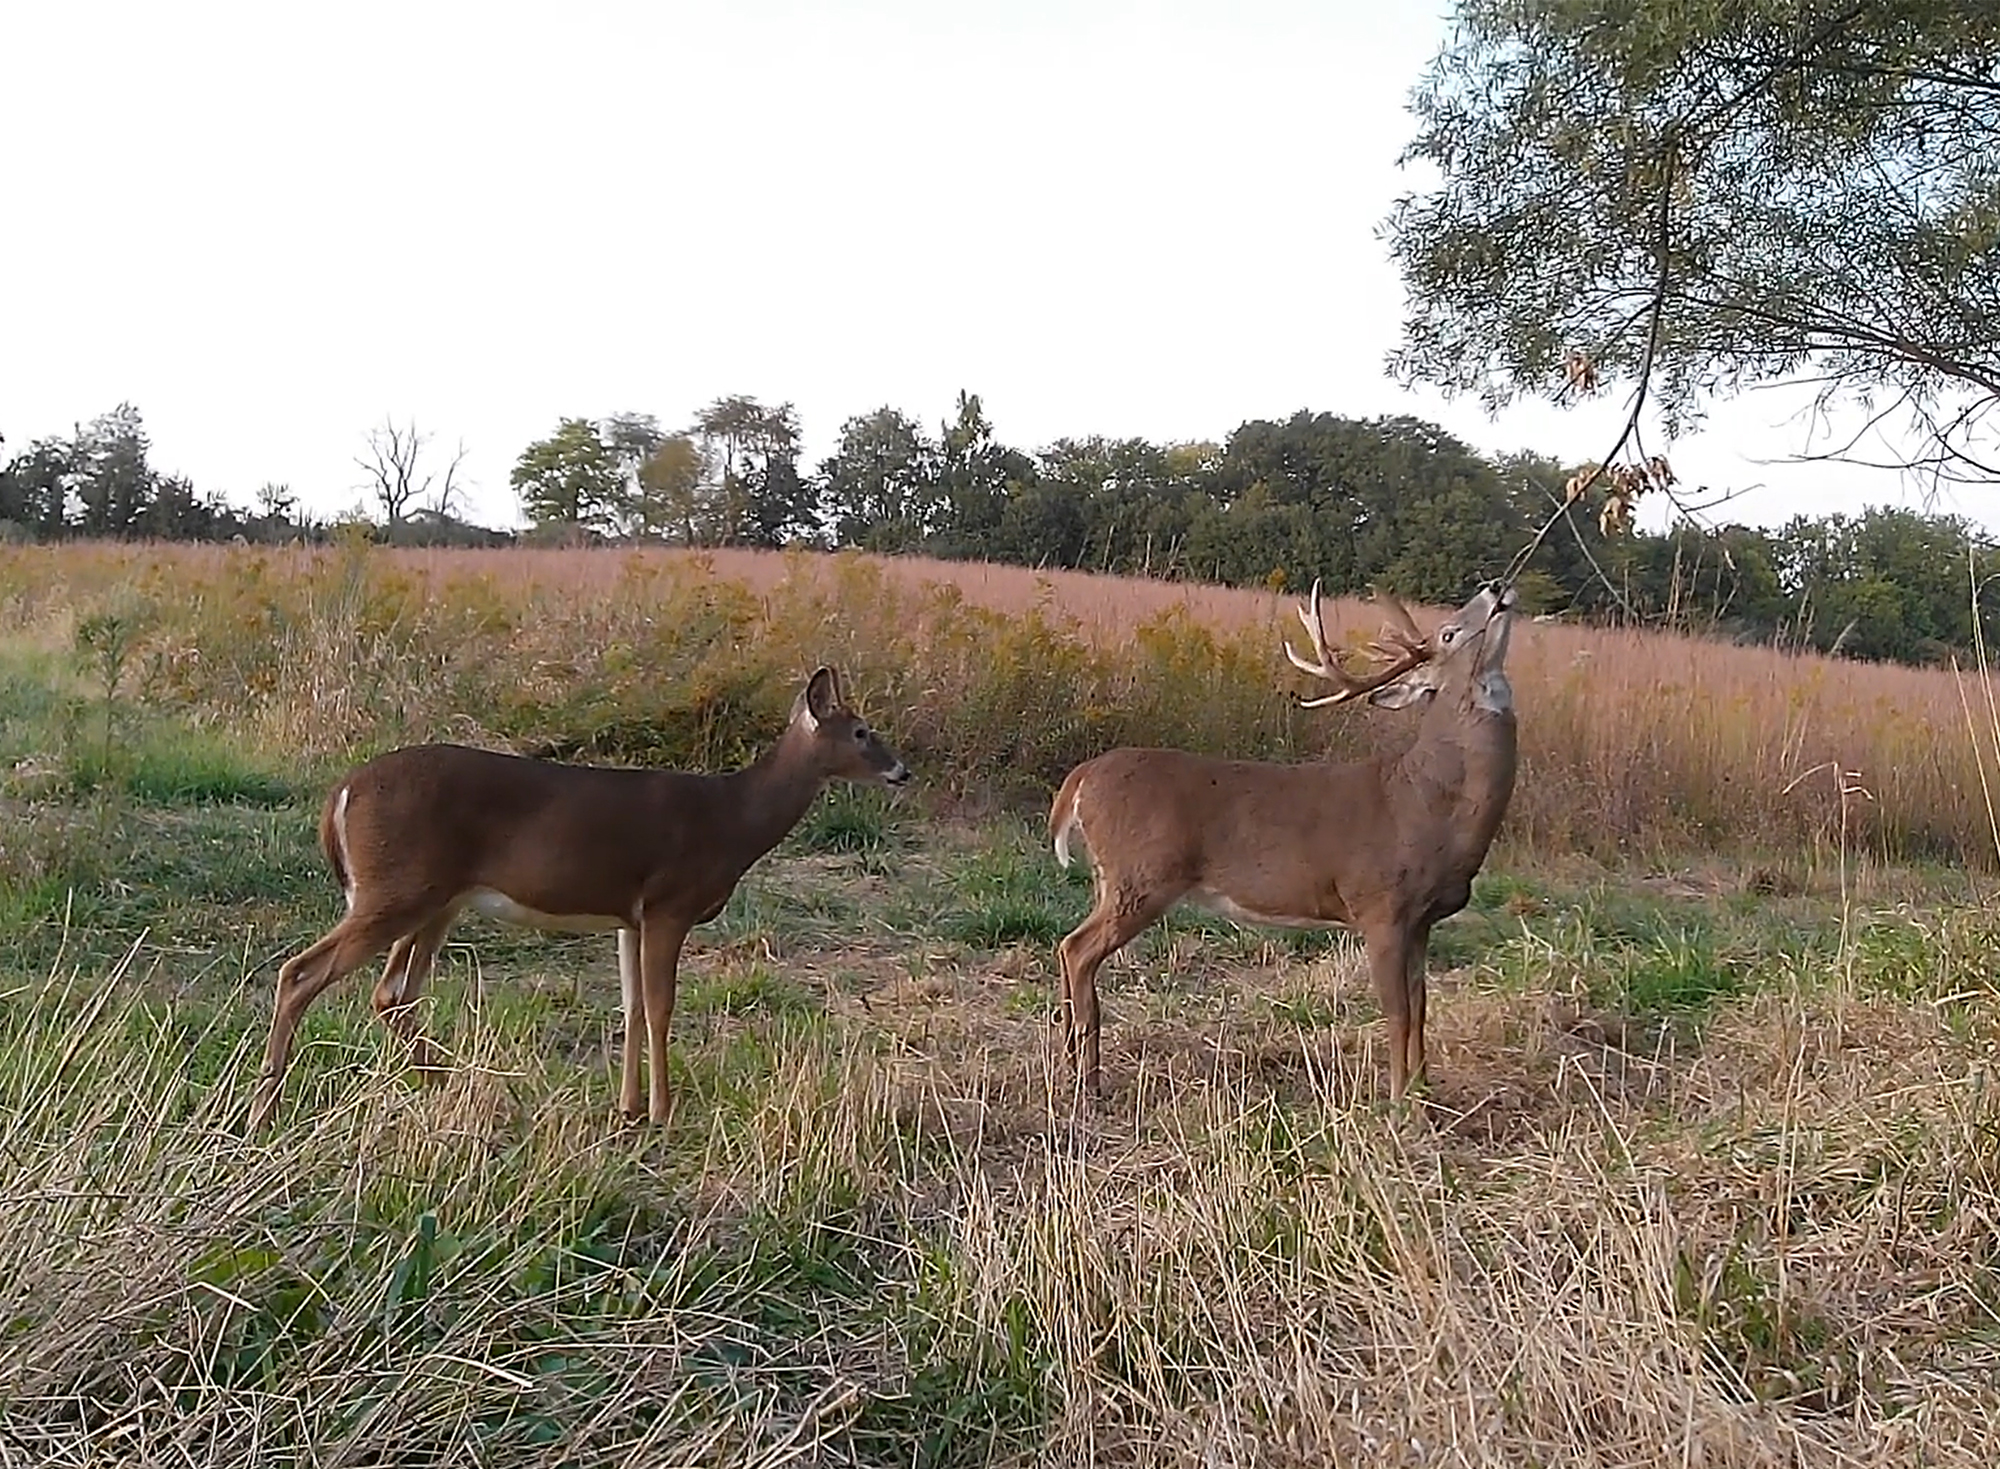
(1416, 987)
(1118, 916)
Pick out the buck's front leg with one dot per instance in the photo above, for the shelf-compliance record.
(1416, 985)
(1389, 970)
(660, 941)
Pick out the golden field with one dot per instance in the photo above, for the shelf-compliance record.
(996, 679)
(1707, 1172)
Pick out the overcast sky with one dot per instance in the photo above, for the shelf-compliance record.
(270, 226)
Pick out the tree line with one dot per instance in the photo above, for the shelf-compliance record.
(1390, 502)
(100, 482)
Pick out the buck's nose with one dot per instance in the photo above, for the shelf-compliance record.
(896, 775)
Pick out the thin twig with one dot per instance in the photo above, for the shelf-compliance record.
(1645, 375)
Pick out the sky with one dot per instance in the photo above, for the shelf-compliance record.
(272, 227)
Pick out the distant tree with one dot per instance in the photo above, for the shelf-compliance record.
(881, 483)
(175, 513)
(571, 478)
(1710, 196)
(443, 504)
(784, 504)
(276, 501)
(1886, 584)
(397, 475)
(667, 498)
(976, 476)
(1112, 504)
(633, 439)
(111, 475)
(1393, 502)
(35, 488)
(757, 495)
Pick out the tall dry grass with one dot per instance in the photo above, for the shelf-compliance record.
(1756, 1256)
(994, 679)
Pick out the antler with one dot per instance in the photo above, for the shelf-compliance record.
(1403, 646)
(1405, 636)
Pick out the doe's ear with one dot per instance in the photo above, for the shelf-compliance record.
(821, 696)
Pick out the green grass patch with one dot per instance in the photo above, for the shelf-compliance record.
(848, 819)
(1009, 891)
(1679, 973)
(756, 990)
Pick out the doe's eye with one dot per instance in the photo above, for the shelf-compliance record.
(1447, 634)
(861, 732)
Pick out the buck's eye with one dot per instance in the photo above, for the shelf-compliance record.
(861, 732)
(1447, 634)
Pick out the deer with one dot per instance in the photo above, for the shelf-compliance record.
(419, 834)
(1386, 847)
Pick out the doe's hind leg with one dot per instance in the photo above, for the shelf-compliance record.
(302, 979)
(412, 959)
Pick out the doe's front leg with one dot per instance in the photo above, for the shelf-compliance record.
(660, 941)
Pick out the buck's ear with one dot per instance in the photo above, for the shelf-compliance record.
(1403, 693)
(821, 696)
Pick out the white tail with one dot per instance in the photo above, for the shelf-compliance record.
(420, 834)
(1386, 847)
(1064, 824)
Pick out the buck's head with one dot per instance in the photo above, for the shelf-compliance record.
(843, 745)
(1466, 662)
(1463, 656)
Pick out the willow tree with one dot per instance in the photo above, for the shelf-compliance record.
(1691, 197)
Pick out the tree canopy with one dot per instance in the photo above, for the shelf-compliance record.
(573, 477)
(1392, 502)
(1702, 195)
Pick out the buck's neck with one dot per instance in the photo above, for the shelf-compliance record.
(764, 800)
(1461, 766)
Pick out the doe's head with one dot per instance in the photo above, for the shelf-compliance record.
(842, 742)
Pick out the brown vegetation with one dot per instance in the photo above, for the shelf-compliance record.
(995, 679)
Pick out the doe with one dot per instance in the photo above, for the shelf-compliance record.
(419, 834)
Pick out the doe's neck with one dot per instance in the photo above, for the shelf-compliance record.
(769, 796)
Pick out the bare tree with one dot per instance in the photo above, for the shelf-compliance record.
(396, 476)
(450, 487)
(276, 500)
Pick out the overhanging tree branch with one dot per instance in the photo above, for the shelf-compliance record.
(1830, 176)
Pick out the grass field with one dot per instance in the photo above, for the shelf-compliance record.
(1710, 1173)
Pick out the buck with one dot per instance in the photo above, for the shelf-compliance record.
(1386, 847)
(420, 834)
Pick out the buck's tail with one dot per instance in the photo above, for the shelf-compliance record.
(1063, 817)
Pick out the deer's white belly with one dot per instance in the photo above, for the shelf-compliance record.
(1228, 907)
(491, 903)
